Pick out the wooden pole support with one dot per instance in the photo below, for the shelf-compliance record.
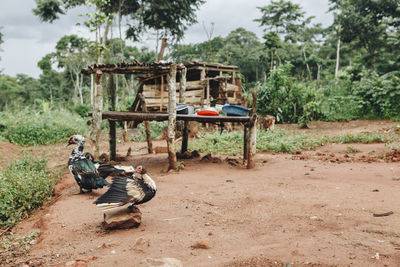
(146, 125)
(185, 137)
(97, 113)
(252, 141)
(171, 79)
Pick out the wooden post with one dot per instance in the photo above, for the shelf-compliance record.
(91, 89)
(97, 113)
(171, 79)
(202, 78)
(162, 93)
(112, 131)
(146, 125)
(185, 137)
(162, 49)
(233, 78)
(245, 142)
(252, 141)
(208, 93)
(182, 88)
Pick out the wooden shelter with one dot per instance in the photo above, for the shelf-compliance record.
(199, 84)
(203, 84)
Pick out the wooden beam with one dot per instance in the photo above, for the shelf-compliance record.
(97, 114)
(171, 80)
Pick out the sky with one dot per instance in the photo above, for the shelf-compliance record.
(27, 39)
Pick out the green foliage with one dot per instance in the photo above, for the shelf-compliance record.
(156, 128)
(363, 138)
(24, 185)
(82, 110)
(287, 100)
(30, 127)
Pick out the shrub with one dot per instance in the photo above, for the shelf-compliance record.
(29, 127)
(24, 185)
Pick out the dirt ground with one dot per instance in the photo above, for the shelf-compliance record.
(310, 208)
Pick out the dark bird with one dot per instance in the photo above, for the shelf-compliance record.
(83, 170)
(132, 189)
(104, 169)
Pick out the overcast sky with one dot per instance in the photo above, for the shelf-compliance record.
(27, 40)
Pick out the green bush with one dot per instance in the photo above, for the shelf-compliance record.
(29, 127)
(24, 185)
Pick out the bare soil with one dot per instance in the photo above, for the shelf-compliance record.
(310, 208)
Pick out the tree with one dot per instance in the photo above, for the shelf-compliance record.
(171, 17)
(71, 53)
(366, 23)
(282, 17)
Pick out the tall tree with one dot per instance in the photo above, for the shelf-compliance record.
(366, 23)
(283, 17)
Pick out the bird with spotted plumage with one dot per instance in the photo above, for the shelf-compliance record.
(131, 190)
(82, 169)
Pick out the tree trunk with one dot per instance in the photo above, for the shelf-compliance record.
(91, 89)
(97, 113)
(171, 117)
(79, 88)
(337, 58)
(305, 59)
(182, 88)
(252, 142)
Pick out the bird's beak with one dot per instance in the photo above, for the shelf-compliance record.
(68, 144)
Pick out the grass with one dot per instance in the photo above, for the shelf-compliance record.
(352, 149)
(279, 141)
(29, 127)
(24, 185)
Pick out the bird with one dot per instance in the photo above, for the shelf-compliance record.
(104, 169)
(82, 169)
(131, 190)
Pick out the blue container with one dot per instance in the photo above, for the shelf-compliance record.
(235, 110)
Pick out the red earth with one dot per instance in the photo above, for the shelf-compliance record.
(310, 208)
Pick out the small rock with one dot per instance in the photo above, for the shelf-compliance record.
(113, 252)
(122, 219)
(229, 181)
(203, 244)
(161, 262)
(314, 218)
